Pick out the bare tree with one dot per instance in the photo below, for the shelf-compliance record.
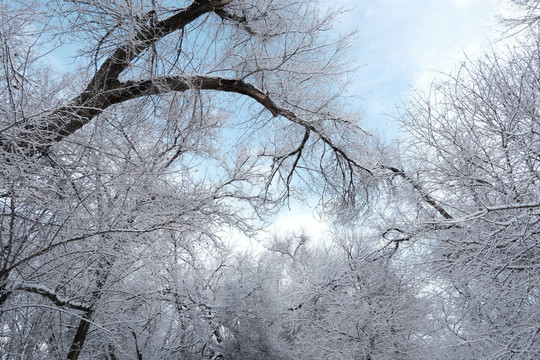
(348, 300)
(521, 16)
(471, 180)
(175, 122)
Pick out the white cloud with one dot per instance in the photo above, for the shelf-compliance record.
(404, 42)
(300, 219)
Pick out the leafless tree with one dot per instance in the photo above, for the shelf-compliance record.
(469, 200)
(174, 122)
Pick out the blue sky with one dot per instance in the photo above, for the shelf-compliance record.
(403, 43)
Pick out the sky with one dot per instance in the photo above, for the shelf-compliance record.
(401, 45)
(404, 43)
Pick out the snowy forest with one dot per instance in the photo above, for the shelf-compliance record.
(179, 125)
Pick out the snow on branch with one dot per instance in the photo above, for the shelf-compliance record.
(50, 294)
(427, 198)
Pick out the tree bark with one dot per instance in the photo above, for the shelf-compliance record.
(80, 336)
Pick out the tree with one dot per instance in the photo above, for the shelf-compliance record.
(177, 123)
(470, 200)
(347, 300)
(522, 16)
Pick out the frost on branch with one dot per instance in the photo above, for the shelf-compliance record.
(178, 123)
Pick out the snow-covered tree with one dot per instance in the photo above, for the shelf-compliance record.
(173, 122)
(469, 200)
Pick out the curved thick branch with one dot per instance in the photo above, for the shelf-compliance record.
(37, 137)
(133, 89)
(115, 64)
(51, 295)
(66, 120)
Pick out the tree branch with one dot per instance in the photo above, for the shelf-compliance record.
(37, 137)
(240, 20)
(66, 120)
(51, 295)
(427, 198)
(146, 36)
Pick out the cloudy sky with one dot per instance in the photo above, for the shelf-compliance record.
(403, 44)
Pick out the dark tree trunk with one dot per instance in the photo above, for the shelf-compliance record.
(80, 336)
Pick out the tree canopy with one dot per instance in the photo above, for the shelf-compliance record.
(178, 122)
